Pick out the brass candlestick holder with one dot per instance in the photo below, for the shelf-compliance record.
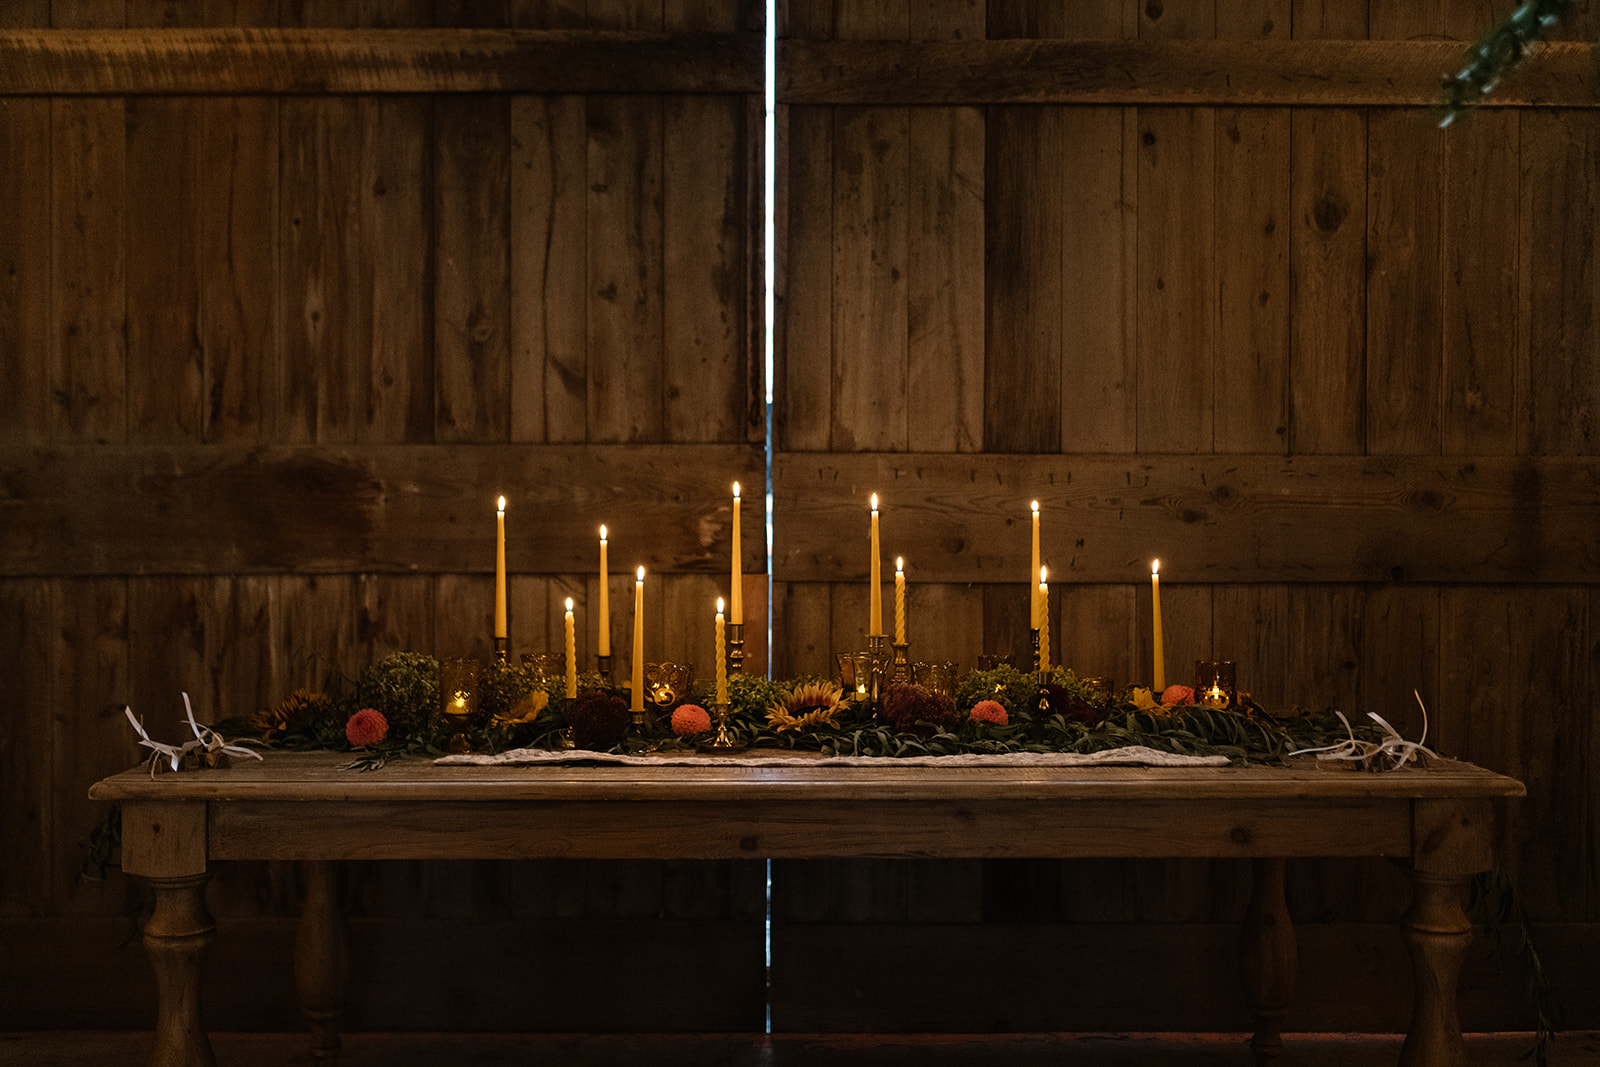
(735, 633)
(881, 660)
(603, 665)
(722, 744)
(1036, 649)
(502, 648)
(901, 671)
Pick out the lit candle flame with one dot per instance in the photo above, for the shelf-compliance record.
(899, 563)
(502, 505)
(1035, 505)
(569, 605)
(736, 489)
(874, 501)
(1155, 567)
(1042, 571)
(602, 531)
(719, 605)
(641, 574)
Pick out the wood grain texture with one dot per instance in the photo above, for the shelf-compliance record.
(1374, 519)
(1405, 340)
(471, 320)
(88, 346)
(373, 509)
(1327, 255)
(1176, 280)
(803, 332)
(25, 276)
(238, 61)
(27, 627)
(1328, 73)
(625, 270)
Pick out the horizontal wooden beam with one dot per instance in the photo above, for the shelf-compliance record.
(375, 509)
(959, 518)
(241, 61)
(1233, 73)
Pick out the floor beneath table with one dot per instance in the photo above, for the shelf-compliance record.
(69, 1049)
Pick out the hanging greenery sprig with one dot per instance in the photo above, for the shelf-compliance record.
(1498, 53)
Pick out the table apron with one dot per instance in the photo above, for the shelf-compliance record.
(689, 829)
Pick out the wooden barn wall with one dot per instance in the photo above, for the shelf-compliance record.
(266, 359)
(1334, 366)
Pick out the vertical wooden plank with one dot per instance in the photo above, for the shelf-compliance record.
(547, 14)
(873, 20)
(625, 14)
(1330, 19)
(25, 274)
(1482, 264)
(705, 217)
(89, 736)
(325, 328)
(165, 374)
(945, 359)
(1177, 279)
(1032, 18)
(1400, 654)
(805, 304)
(1558, 379)
(1250, 626)
(944, 621)
(625, 269)
(1253, 282)
(802, 630)
(549, 364)
(88, 354)
(1096, 625)
(957, 20)
(1405, 163)
(394, 220)
(870, 263)
(471, 334)
(1327, 260)
(394, 613)
(1253, 19)
(240, 12)
(1185, 19)
(1098, 380)
(239, 294)
(26, 14)
(89, 14)
(1025, 188)
(27, 798)
(1424, 19)
(1006, 628)
(1324, 641)
(1468, 20)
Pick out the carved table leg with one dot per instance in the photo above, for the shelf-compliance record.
(1437, 932)
(322, 957)
(177, 936)
(1268, 958)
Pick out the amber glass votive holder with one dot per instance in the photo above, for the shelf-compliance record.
(458, 700)
(545, 665)
(935, 677)
(1215, 683)
(855, 675)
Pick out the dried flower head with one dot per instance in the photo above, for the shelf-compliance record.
(598, 720)
(366, 727)
(990, 711)
(299, 709)
(690, 719)
(917, 709)
(807, 707)
(1174, 695)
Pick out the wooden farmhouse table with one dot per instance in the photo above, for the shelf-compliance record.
(1437, 821)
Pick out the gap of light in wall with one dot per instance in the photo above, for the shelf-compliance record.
(769, 186)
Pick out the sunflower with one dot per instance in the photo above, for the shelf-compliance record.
(807, 707)
(299, 709)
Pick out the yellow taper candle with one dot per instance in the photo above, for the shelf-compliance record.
(722, 657)
(899, 600)
(1033, 568)
(572, 653)
(638, 643)
(1160, 678)
(875, 586)
(736, 593)
(1044, 623)
(603, 638)
(499, 569)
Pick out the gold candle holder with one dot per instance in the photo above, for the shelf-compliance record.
(722, 743)
(502, 648)
(880, 661)
(901, 671)
(1035, 650)
(458, 700)
(855, 675)
(935, 677)
(735, 648)
(602, 664)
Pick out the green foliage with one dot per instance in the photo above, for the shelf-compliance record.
(405, 687)
(1498, 53)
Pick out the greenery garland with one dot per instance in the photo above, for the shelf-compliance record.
(1498, 53)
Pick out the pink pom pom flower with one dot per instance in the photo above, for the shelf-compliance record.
(690, 719)
(1177, 694)
(366, 727)
(990, 711)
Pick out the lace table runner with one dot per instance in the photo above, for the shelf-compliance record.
(1131, 754)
